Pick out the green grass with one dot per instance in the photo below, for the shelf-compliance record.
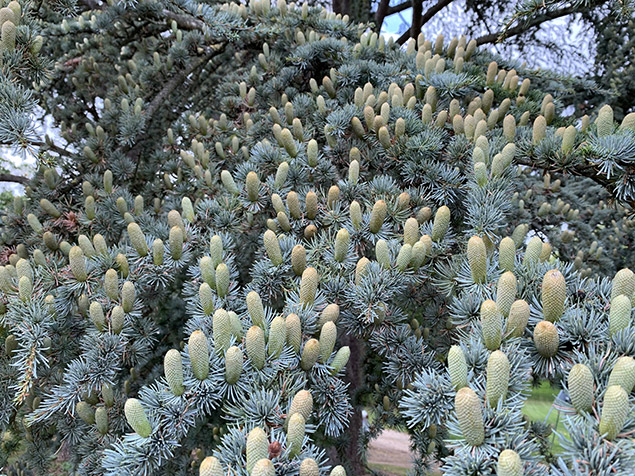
(537, 407)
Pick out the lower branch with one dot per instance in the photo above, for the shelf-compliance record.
(14, 178)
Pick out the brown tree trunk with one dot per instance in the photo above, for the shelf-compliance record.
(423, 19)
(355, 379)
(380, 15)
(417, 11)
(341, 6)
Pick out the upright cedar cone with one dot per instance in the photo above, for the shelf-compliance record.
(457, 367)
(198, 349)
(295, 433)
(477, 258)
(257, 447)
(492, 324)
(507, 254)
(441, 223)
(308, 286)
(309, 467)
(222, 330)
(533, 250)
(497, 377)
(623, 374)
(310, 354)
(302, 403)
(277, 336)
(518, 318)
(580, 385)
(264, 467)
(233, 364)
(623, 283)
(210, 467)
(136, 417)
(255, 346)
(554, 291)
(506, 292)
(614, 411)
(294, 331)
(470, 416)
(509, 464)
(173, 370)
(620, 314)
(340, 360)
(546, 339)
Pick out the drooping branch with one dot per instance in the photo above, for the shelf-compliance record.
(49, 145)
(185, 22)
(14, 178)
(524, 26)
(385, 10)
(169, 87)
(580, 170)
(179, 78)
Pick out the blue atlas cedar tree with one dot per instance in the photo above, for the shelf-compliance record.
(258, 220)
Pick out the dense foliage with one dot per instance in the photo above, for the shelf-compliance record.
(257, 221)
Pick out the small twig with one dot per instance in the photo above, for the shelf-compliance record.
(50, 146)
(185, 22)
(580, 170)
(523, 27)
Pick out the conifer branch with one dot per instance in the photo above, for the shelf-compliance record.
(177, 80)
(264, 239)
(185, 22)
(14, 178)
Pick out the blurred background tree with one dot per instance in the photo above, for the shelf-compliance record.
(588, 38)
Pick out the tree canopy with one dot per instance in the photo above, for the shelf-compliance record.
(254, 221)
